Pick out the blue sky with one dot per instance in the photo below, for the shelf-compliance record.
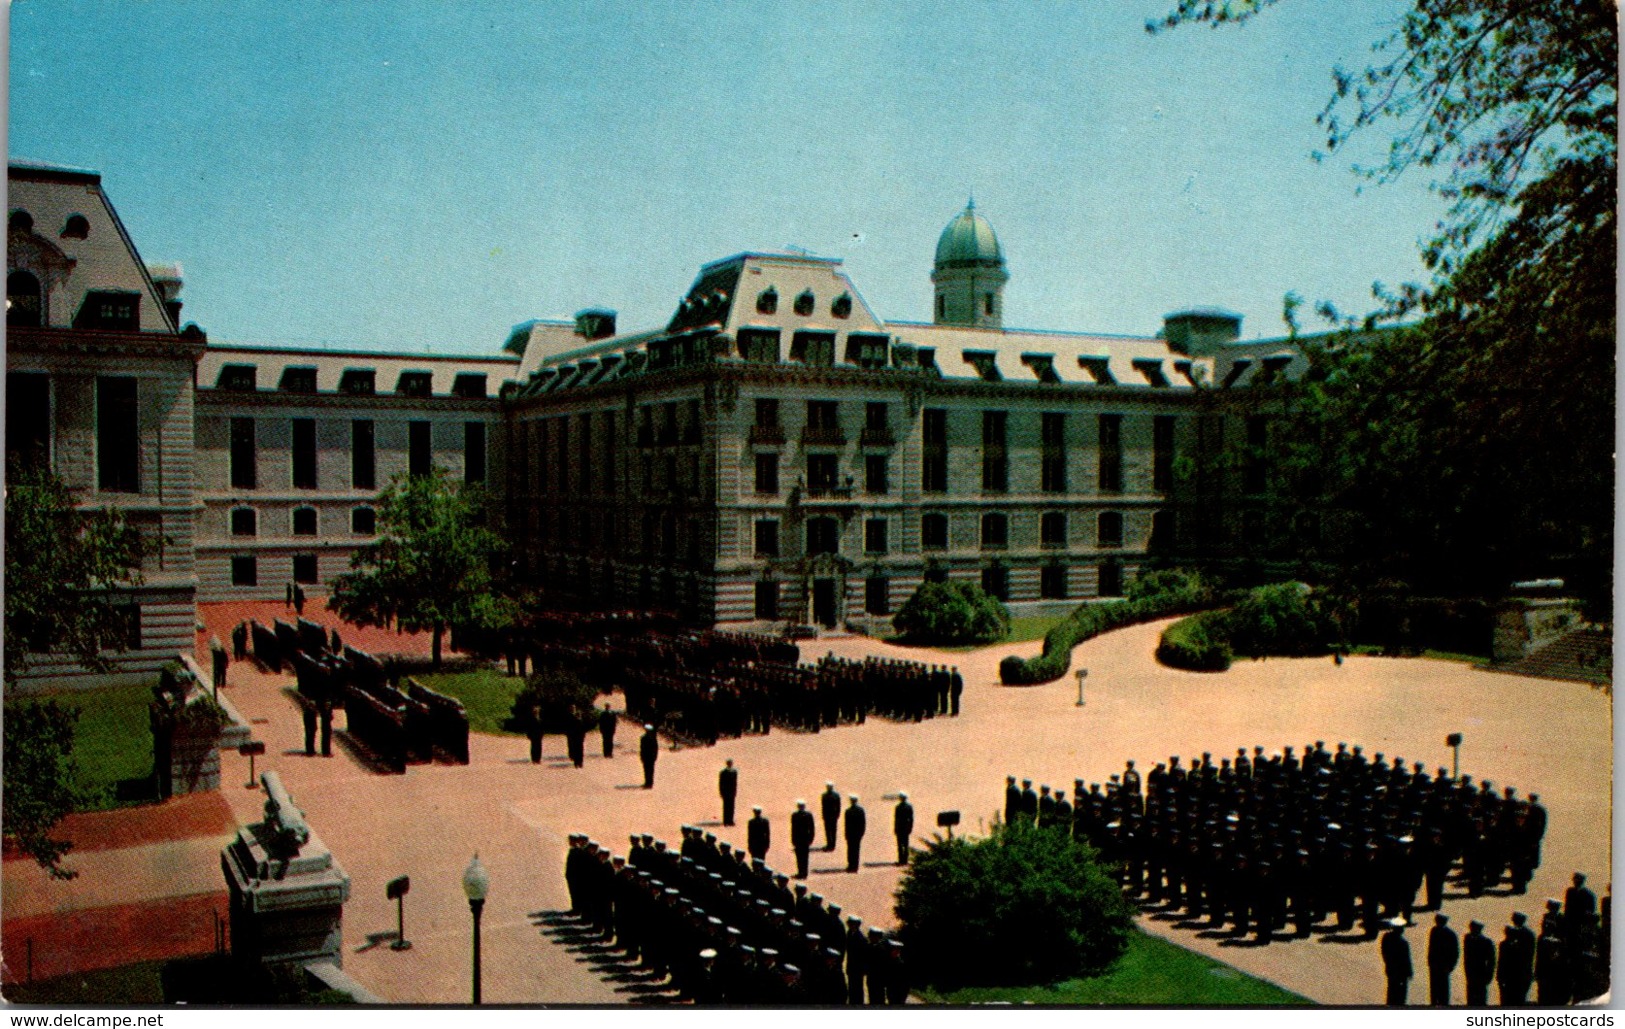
(408, 175)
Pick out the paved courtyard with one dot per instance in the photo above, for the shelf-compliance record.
(1553, 738)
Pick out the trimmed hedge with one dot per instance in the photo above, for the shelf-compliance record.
(1170, 593)
(1196, 644)
(951, 613)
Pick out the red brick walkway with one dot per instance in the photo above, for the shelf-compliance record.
(183, 818)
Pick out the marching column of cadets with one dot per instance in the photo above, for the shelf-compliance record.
(726, 928)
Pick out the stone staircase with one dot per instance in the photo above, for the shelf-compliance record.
(1585, 654)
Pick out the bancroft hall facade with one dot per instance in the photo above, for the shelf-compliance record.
(777, 453)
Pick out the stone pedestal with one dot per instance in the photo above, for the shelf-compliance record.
(287, 889)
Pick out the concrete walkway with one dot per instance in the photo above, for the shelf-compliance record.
(1552, 738)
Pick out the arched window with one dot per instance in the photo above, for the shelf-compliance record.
(995, 531)
(363, 521)
(841, 306)
(767, 302)
(20, 221)
(25, 303)
(304, 521)
(1111, 529)
(76, 227)
(804, 303)
(244, 522)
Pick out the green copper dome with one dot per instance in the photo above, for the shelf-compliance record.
(968, 241)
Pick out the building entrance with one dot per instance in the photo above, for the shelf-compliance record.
(824, 602)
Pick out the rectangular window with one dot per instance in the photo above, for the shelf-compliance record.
(1053, 471)
(28, 420)
(874, 536)
(996, 582)
(934, 531)
(877, 595)
(1111, 579)
(823, 418)
(1052, 582)
(1052, 529)
(1111, 529)
(767, 413)
(1111, 453)
(993, 428)
(876, 479)
(936, 427)
(304, 568)
(875, 416)
(245, 571)
(995, 472)
(304, 453)
(118, 452)
(127, 626)
(1054, 429)
(474, 452)
(361, 382)
(934, 473)
(995, 532)
(1162, 453)
(244, 522)
(823, 536)
(767, 537)
(363, 455)
(823, 473)
(759, 346)
(415, 384)
(767, 601)
(298, 380)
(420, 455)
(469, 384)
(767, 473)
(243, 454)
(363, 521)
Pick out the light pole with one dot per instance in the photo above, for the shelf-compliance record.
(1082, 673)
(475, 883)
(1453, 741)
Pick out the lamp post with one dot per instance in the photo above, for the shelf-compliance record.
(475, 883)
(1082, 673)
(1453, 741)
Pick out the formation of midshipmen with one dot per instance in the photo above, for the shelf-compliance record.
(727, 929)
(1267, 840)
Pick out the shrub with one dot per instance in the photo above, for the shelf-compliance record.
(950, 613)
(563, 697)
(1165, 593)
(1283, 620)
(1196, 644)
(1023, 906)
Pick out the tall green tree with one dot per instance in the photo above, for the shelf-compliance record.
(1476, 445)
(431, 565)
(61, 564)
(41, 779)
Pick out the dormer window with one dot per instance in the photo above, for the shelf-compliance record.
(1151, 368)
(804, 303)
(1043, 366)
(76, 227)
(298, 380)
(361, 382)
(1099, 369)
(240, 377)
(415, 384)
(469, 384)
(767, 302)
(20, 221)
(109, 309)
(986, 364)
(841, 306)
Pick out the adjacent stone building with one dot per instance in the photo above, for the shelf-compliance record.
(776, 453)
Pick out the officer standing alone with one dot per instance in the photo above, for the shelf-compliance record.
(857, 823)
(728, 787)
(648, 753)
(1396, 962)
(758, 835)
(1478, 962)
(903, 826)
(1443, 952)
(830, 805)
(803, 831)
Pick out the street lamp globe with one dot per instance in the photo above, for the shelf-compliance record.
(476, 881)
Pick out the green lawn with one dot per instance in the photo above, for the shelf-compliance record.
(1152, 971)
(1022, 630)
(112, 742)
(486, 693)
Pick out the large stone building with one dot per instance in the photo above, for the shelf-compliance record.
(776, 453)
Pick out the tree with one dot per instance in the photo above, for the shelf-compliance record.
(431, 565)
(61, 563)
(1476, 445)
(41, 778)
(1022, 906)
(953, 612)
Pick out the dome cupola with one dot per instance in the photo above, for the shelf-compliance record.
(969, 273)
